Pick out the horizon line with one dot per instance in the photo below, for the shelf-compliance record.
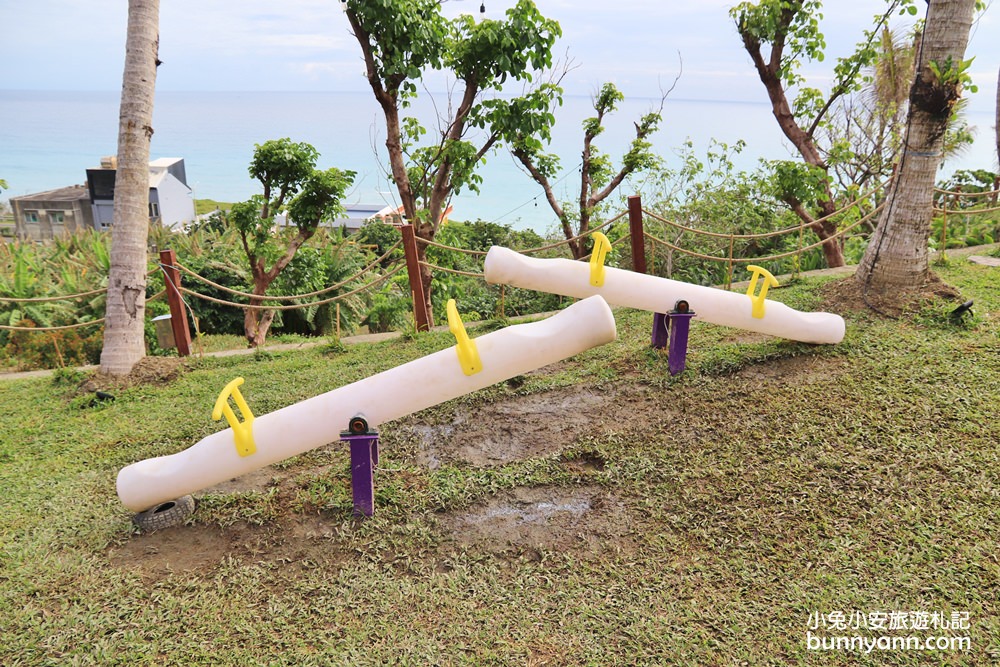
(698, 100)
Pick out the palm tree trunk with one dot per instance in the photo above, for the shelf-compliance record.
(897, 255)
(124, 340)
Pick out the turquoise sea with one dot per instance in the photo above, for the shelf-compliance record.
(49, 139)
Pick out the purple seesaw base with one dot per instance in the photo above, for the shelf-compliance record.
(660, 331)
(676, 344)
(677, 354)
(364, 460)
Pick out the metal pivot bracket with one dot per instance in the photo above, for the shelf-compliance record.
(363, 441)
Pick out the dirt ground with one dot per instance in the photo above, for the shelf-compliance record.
(149, 370)
(579, 517)
(528, 426)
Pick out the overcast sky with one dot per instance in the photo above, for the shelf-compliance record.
(305, 45)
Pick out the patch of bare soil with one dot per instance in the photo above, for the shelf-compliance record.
(296, 541)
(531, 426)
(542, 517)
(148, 370)
(849, 295)
(585, 519)
(177, 550)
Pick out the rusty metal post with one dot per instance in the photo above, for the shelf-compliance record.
(413, 272)
(178, 316)
(637, 235)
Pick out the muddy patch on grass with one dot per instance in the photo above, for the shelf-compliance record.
(532, 426)
(542, 517)
(296, 541)
(178, 549)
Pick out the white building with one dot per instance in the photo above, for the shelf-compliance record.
(171, 201)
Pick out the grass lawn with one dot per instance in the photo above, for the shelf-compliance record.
(595, 512)
(205, 206)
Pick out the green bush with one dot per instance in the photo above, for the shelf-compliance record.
(53, 349)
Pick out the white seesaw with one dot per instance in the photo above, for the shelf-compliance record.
(468, 366)
(659, 295)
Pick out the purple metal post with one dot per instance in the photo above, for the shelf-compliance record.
(661, 331)
(364, 459)
(680, 322)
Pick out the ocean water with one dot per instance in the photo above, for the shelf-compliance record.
(49, 139)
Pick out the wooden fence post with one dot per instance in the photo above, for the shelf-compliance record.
(178, 316)
(944, 228)
(413, 272)
(636, 233)
(637, 236)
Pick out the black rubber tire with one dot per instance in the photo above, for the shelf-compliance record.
(165, 515)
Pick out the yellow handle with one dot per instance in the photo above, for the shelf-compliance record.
(601, 249)
(758, 301)
(242, 431)
(468, 355)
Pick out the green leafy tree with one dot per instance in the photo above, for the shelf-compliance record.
(379, 236)
(525, 126)
(309, 196)
(401, 41)
(329, 262)
(710, 194)
(790, 28)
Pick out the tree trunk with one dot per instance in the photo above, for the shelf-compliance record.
(897, 255)
(256, 323)
(425, 231)
(124, 339)
(997, 124)
(769, 73)
(826, 230)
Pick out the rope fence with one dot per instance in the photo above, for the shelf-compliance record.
(263, 302)
(766, 258)
(964, 212)
(78, 325)
(763, 235)
(527, 251)
(325, 290)
(483, 253)
(49, 299)
(299, 306)
(444, 269)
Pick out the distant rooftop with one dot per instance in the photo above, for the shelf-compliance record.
(164, 162)
(70, 193)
